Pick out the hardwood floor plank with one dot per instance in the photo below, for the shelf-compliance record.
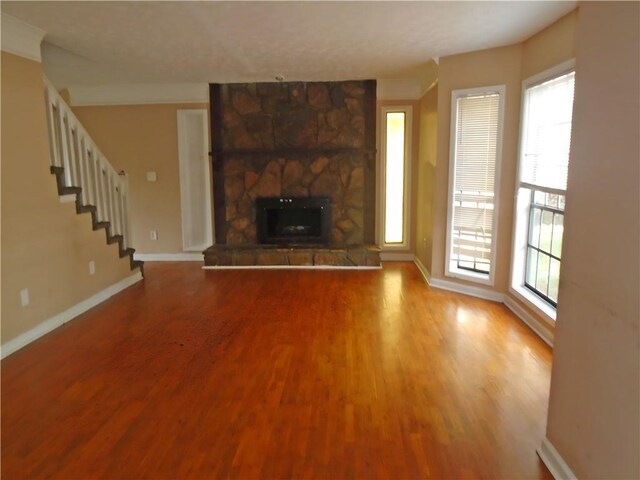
(279, 374)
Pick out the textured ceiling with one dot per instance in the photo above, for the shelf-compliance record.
(100, 43)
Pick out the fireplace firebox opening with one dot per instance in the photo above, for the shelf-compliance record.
(291, 221)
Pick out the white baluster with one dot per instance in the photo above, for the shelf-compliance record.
(64, 146)
(71, 148)
(91, 187)
(97, 179)
(82, 164)
(109, 198)
(125, 209)
(53, 150)
(117, 218)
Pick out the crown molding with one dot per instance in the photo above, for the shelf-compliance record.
(20, 38)
(398, 89)
(138, 94)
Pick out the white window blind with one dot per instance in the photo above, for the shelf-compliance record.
(475, 157)
(547, 119)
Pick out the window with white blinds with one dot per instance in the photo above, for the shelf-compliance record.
(544, 164)
(546, 130)
(475, 158)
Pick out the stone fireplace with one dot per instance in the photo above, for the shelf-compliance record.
(293, 141)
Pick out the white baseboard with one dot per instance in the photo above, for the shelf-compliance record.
(466, 289)
(289, 267)
(532, 322)
(170, 257)
(536, 325)
(423, 270)
(554, 462)
(396, 257)
(54, 322)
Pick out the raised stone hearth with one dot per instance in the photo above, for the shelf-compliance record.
(264, 255)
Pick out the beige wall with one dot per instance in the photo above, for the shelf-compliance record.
(426, 175)
(46, 246)
(550, 47)
(497, 66)
(507, 66)
(594, 419)
(138, 139)
(415, 140)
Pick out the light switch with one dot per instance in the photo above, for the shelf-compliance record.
(151, 177)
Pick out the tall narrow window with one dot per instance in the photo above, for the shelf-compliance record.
(542, 183)
(395, 179)
(476, 140)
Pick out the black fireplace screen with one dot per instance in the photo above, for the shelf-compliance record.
(290, 221)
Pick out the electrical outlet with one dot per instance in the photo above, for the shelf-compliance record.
(24, 297)
(151, 176)
(153, 234)
(92, 267)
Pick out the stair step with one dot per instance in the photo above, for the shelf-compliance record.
(69, 190)
(86, 209)
(137, 264)
(114, 239)
(99, 225)
(111, 239)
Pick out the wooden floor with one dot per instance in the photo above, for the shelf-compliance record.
(279, 374)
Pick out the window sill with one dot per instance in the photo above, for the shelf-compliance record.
(546, 311)
(484, 279)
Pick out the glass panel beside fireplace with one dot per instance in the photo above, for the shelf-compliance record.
(292, 221)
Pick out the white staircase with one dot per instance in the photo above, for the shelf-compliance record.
(82, 170)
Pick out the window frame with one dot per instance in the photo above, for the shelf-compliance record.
(522, 204)
(487, 279)
(406, 201)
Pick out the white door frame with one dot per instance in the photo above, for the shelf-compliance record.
(183, 157)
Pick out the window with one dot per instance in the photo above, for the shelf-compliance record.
(542, 182)
(476, 144)
(396, 143)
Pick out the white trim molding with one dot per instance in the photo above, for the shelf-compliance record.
(290, 267)
(138, 94)
(554, 462)
(466, 289)
(386, 256)
(20, 38)
(532, 322)
(538, 327)
(194, 167)
(60, 319)
(423, 270)
(170, 257)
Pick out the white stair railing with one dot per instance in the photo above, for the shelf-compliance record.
(86, 167)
